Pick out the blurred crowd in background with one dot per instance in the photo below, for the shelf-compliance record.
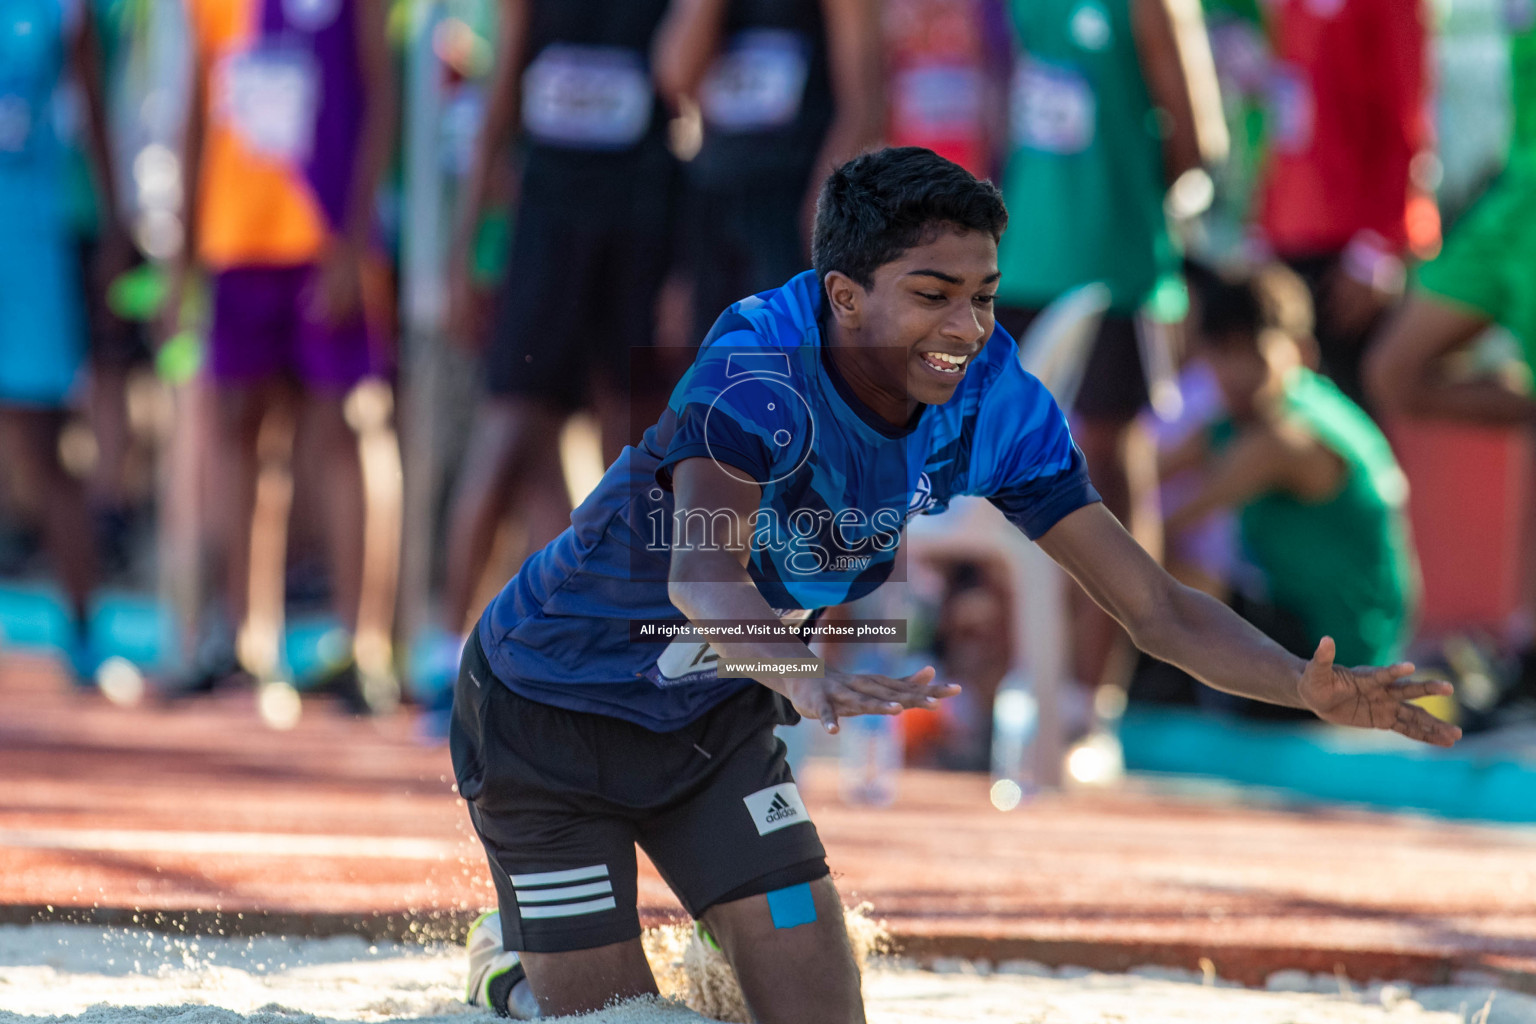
(317, 315)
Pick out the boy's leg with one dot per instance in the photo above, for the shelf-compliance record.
(742, 854)
(584, 980)
(791, 953)
(562, 863)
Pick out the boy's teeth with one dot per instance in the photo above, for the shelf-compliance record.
(943, 361)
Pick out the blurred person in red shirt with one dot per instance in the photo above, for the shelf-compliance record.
(948, 63)
(1349, 113)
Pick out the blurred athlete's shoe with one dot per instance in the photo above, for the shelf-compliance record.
(496, 977)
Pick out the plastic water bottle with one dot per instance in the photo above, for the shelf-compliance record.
(869, 746)
(869, 759)
(1015, 721)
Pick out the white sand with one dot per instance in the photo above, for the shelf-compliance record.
(61, 973)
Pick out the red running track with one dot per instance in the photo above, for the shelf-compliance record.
(196, 816)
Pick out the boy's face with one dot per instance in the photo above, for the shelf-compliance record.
(930, 312)
(1244, 372)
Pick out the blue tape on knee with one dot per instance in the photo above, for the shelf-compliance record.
(792, 906)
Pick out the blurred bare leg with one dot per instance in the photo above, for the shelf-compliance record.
(32, 440)
(108, 412)
(237, 464)
(513, 460)
(324, 425)
(369, 411)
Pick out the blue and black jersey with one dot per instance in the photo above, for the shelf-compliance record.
(764, 401)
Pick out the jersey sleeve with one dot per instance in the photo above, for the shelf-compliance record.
(740, 405)
(1025, 461)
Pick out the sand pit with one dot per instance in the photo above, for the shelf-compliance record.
(86, 975)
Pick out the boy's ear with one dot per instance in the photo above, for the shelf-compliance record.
(845, 298)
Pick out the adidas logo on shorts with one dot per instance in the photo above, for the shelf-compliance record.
(776, 807)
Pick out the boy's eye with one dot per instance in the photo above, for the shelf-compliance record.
(931, 296)
(985, 300)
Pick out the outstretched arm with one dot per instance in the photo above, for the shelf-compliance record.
(1209, 641)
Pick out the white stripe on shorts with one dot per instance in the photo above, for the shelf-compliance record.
(568, 909)
(569, 892)
(559, 877)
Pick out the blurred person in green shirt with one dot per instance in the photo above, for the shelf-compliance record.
(1320, 498)
(1113, 101)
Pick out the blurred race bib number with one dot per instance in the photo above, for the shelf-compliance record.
(587, 97)
(938, 100)
(1053, 109)
(758, 83)
(269, 96)
(1519, 15)
(1290, 108)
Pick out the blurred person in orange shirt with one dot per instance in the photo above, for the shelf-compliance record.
(288, 135)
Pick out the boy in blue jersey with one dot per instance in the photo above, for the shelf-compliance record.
(815, 420)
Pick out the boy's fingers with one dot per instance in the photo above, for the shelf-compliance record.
(825, 712)
(1417, 724)
(851, 702)
(1324, 654)
(878, 687)
(1433, 688)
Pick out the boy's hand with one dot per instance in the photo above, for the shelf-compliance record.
(862, 693)
(1373, 698)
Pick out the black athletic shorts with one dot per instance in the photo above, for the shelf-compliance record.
(580, 289)
(560, 798)
(1114, 385)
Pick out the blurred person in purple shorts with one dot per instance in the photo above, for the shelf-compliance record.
(288, 134)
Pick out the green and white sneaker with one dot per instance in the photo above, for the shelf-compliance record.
(496, 977)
